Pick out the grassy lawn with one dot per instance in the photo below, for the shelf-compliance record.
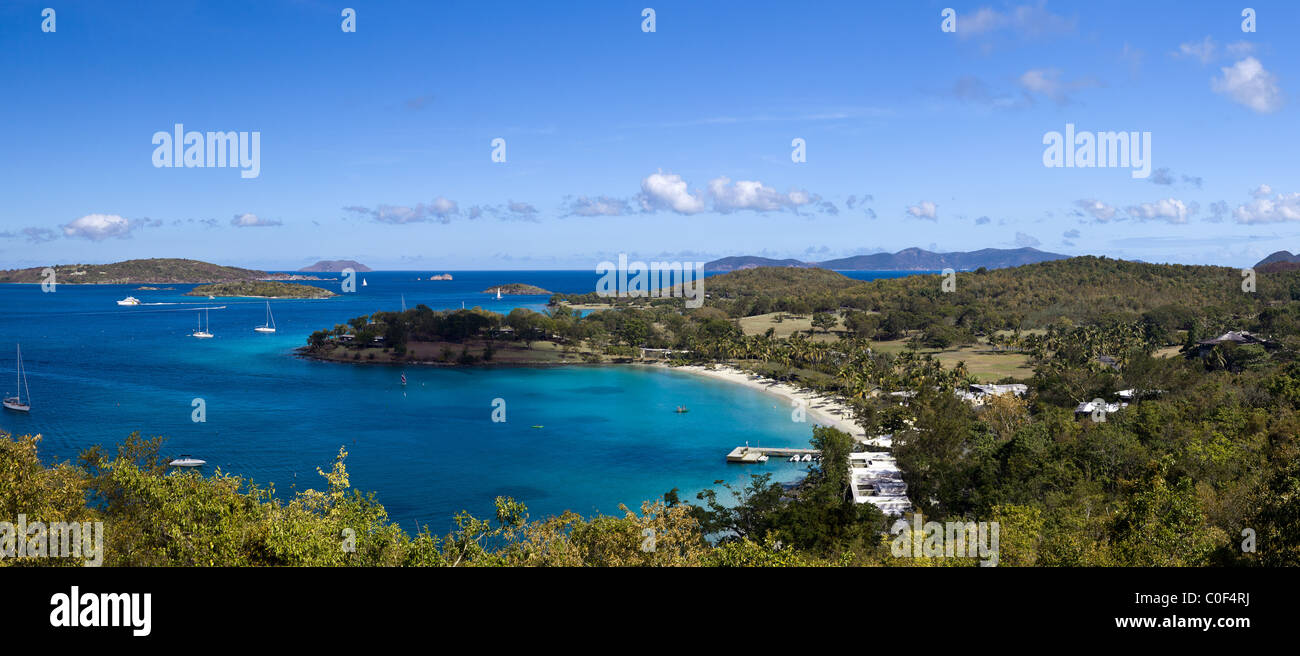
(759, 323)
(984, 364)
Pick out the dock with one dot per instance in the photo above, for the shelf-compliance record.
(750, 454)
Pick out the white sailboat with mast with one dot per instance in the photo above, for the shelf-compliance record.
(201, 333)
(270, 321)
(16, 402)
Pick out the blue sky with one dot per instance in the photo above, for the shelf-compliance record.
(675, 144)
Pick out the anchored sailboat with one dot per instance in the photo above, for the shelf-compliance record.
(498, 293)
(270, 321)
(14, 403)
(201, 333)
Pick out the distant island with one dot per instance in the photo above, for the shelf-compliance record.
(335, 266)
(260, 289)
(908, 259)
(1279, 261)
(135, 272)
(517, 289)
(442, 276)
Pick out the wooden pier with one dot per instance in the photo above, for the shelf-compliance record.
(751, 454)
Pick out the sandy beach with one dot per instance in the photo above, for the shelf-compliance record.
(822, 409)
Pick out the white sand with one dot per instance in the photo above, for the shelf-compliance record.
(821, 409)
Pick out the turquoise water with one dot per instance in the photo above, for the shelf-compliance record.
(609, 435)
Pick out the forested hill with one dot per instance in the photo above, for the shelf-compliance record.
(1083, 289)
(908, 259)
(335, 266)
(131, 272)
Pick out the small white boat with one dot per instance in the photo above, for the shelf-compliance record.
(807, 457)
(270, 321)
(201, 333)
(16, 402)
(762, 458)
(794, 459)
(498, 293)
(187, 461)
(129, 300)
(363, 282)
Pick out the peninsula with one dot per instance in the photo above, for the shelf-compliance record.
(260, 289)
(134, 272)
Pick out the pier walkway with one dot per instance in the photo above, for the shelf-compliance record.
(750, 454)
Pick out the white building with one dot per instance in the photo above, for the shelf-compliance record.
(874, 478)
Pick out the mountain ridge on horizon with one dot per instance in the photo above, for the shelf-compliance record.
(908, 259)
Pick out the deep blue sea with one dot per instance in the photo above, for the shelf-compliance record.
(98, 371)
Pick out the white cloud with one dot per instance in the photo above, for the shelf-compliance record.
(1026, 241)
(753, 195)
(1203, 50)
(598, 206)
(1248, 83)
(1097, 209)
(1027, 20)
(96, 227)
(1161, 176)
(1048, 82)
(668, 191)
(522, 209)
(1262, 191)
(924, 210)
(441, 210)
(1170, 210)
(1283, 207)
(1239, 48)
(251, 221)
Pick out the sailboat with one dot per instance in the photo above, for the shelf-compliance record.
(270, 321)
(16, 402)
(498, 293)
(363, 282)
(201, 333)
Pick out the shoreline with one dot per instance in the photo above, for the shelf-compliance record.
(822, 409)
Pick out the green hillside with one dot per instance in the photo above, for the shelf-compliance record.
(134, 272)
(261, 289)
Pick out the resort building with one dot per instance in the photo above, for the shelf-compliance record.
(1087, 408)
(1237, 337)
(979, 394)
(874, 477)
